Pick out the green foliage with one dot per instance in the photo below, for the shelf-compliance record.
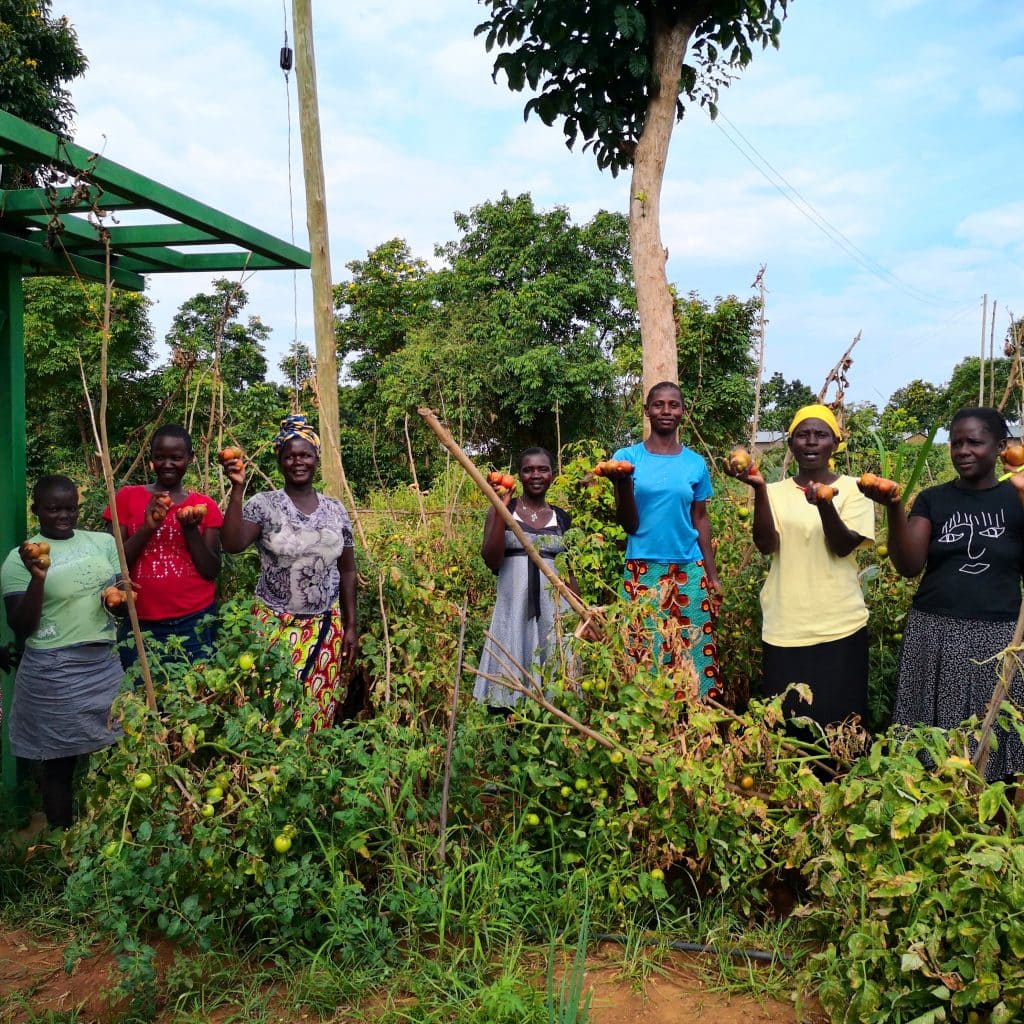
(513, 339)
(321, 853)
(919, 405)
(207, 330)
(63, 324)
(780, 399)
(919, 876)
(39, 55)
(591, 64)
(716, 370)
(962, 387)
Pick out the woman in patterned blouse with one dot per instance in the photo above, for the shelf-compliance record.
(307, 562)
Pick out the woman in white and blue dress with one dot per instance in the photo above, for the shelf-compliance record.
(523, 633)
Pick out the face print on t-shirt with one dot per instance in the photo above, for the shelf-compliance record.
(979, 528)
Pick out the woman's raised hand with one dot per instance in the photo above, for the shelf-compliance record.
(233, 462)
(614, 469)
(156, 510)
(36, 558)
(740, 465)
(879, 489)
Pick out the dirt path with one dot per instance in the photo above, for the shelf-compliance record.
(33, 982)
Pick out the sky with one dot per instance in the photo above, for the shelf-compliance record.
(874, 163)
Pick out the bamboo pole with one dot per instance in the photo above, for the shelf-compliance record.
(319, 247)
(500, 508)
(450, 746)
(1008, 668)
(108, 478)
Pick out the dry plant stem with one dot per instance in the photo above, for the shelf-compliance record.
(549, 574)
(837, 376)
(451, 734)
(1009, 666)
(108, 477)
(412, 470)
(387, 640)
(328, 430)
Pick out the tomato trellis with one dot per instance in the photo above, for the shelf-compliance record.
(46, 231)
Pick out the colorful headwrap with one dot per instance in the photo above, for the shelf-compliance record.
(296, 426)
(816, 412)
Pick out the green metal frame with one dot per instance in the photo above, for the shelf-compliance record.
(54, 231)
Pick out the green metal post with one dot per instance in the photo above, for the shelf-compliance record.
(12, 470)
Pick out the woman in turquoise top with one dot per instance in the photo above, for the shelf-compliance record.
(662, 505)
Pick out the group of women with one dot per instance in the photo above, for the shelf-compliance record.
(52, 584)
(966, 535)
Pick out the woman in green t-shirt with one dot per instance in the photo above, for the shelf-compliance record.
(69, 673)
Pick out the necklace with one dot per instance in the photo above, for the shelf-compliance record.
(534, 514)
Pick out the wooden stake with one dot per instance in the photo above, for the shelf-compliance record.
(1008, 668)
(451, 734)
(319, 248)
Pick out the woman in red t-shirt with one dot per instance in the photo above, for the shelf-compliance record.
(173, 558)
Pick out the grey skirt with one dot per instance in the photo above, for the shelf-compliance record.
(62, 701)
(948, 673)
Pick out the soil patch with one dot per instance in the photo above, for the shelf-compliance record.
(33, 982)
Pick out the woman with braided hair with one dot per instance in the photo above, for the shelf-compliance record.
(307, 562)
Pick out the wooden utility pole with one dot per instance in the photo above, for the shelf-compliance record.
(759, 383)
(319, 248)
(981, 360)
(992, 355)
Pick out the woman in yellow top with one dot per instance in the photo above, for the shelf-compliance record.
(814, 619)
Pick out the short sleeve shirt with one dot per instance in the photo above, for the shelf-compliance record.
(665, 488)
(170, 586)
(975, 554)
(72, 614)
(811, 596)
(299, 553)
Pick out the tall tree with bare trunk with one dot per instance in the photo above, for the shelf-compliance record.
(618, 74)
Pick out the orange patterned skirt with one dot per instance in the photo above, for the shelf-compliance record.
(315, 643)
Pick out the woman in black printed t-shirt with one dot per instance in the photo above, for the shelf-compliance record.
(968, 536)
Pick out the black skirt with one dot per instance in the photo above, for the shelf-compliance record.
(836, 672)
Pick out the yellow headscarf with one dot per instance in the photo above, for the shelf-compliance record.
(816, 412)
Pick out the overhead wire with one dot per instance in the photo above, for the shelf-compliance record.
(285, 64)
(807, 209)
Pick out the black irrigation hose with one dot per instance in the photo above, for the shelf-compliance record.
(759, 955)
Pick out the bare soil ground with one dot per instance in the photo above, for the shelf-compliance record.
(34, 984)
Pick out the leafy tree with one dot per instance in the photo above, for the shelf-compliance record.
(781, 398)
(920, 402)
(39, 54)
(716, 370)
(63, 323)
(207, 330)
(962, 388)
(519, 327)
(615, 73)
